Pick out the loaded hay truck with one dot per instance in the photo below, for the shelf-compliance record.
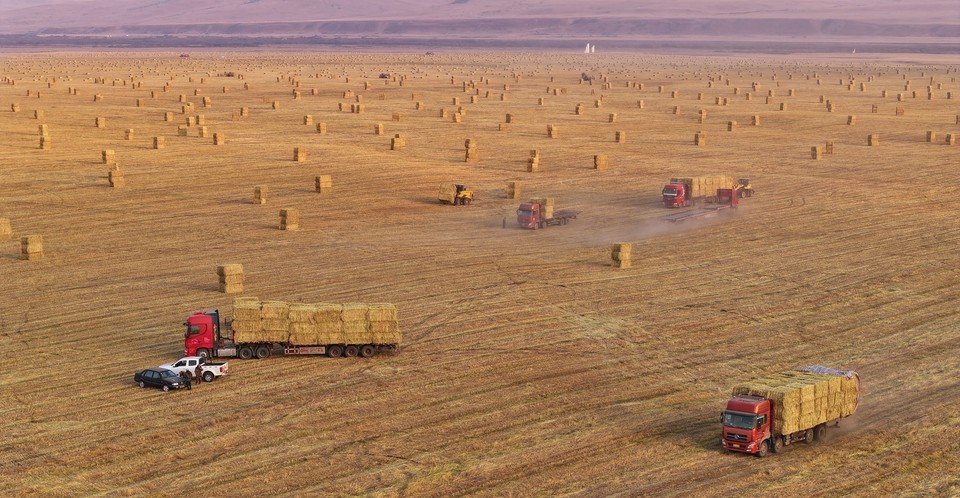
(725, 200)
(687, 191)
(259, 328)
(455, 193)
(539, 213)
(767, 414)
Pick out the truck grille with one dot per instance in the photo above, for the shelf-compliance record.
(736, 437)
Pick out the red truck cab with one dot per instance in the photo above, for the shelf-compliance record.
(676, 195)
(747, 424)
(202, 336)
(529, 215)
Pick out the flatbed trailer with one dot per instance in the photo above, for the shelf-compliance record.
(699, 213)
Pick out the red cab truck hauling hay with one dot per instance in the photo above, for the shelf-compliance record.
(687, 191)
(539, 213)
(767, 414)
(726, 198)
(259, 329)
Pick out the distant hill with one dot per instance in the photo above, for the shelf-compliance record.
(488, 22)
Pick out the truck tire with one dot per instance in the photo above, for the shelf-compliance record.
(262, 352)
(764, 449)
(808, 436)
(351, 351)
(335, 351)
(820, 432)
(245, 353)
(208, 376)
(203, 353)
(367, 350)
(777, 445)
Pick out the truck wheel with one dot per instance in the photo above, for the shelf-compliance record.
(263, 352)
(367, 350)
(203, 353)
(335, 351)
(245, 353)
(208, 376)
(808, 436)
(777, 444)
(141, 384)
(351, 351)
(764, 449)
(820, 432)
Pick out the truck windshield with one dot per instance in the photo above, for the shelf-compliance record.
(526, 213)
(739, 420)
(671, 191)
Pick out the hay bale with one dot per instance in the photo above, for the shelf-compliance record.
(101, 122)
(159, 142)
(31, 247)
(219, 139)
(128, 134)
(600, 162)
(260, 194)
(700, 139)
(547, 204)
(533, 164)
(513, 189)
(731, 125)
(108, 156)
(5, 230)
(951, 139)
(43, 130)
(553, 131)
(620, 137)
(289, 219)
(931, 136)
(612, 118)
(275, 105)
(828, 148)
(816, 152)
(873, 140)
(45, 143)
(115, 177)
(323, 184)
(299, 154)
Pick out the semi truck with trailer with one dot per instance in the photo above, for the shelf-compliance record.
(688, 191)
(261, 329)
(539, 213)
(766, 414)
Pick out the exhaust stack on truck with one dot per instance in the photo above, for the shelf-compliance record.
(769, 413)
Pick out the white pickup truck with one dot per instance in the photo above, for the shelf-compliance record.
(188, 366)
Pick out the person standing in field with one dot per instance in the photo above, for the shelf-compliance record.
(198, 373)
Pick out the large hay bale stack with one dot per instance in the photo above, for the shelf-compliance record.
(101, 122)
(514, 189)
(398, 142)
(108, 156)
(700, 139)
(471, 155)
(299, 154)
(816, 152)
(260, 194)
(620, 137)
(931, 136)
(219, 139)
(378, 129)
(620, 254)
(951, 139)
(5, 230)
(731, 125)
(553, 131)
(128, 134)
(873, 140)
(43, 130)
(159, 142)
(45, 143)
(31, 247)
(384, 323)
(231, 278)
(804, 399)
(323, 184)
(289, 219)
(547, 204)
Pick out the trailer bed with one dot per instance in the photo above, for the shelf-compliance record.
(699, 213)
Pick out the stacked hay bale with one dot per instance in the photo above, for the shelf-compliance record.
(471, 155)
(851, 120)
(378, 128)
(804, 399)
(533, 163)
(514, 189)
(873, 140)
(553, 131)
(398, 142)
(115, 176)
(231, 278)
(158, 142)
(101, 122)
(828, 148)
(219, 139)
(731, 125)
(5, 230)
(756, 120)
(816, 152)
(546, 204)
(931, 137)
(384, 323)
(246, 319)
(108, 156)
(600, 162)
(700, 139)
(620, 137)
(128, 134)
(951, 139)
(620, 254)
(322, 128)
(356, 329)
(45, 142)
(31, 247)
(289, 219)
(299, 154)
(612, 118)
(323, 184)
(260, 194)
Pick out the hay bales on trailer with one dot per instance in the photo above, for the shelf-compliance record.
(303, 324)
(804, 399)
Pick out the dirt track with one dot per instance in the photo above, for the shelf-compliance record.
(530, 366)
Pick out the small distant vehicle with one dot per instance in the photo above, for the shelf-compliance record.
(185, 367)
(384, 76)
(743, 188)
(159, 377)
(455, 193)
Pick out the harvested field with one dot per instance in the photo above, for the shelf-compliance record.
(530, 365)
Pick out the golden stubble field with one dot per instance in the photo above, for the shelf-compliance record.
(530, 366)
